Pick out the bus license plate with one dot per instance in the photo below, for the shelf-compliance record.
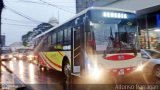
(121, 72)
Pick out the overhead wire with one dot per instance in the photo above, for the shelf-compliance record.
(42, 3)
(56, 6)
(18, 24)
(18, 13)
(28, 18)
(46, 3)
(32, 1)
(19, 21)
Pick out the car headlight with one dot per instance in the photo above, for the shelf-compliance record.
(2, 57)
(20, 56)
(10, 56)
(30, 56)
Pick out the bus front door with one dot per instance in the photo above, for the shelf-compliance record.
(78, 50)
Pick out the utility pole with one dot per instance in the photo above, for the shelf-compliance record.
(1, 8)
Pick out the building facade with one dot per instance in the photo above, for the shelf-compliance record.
(149, 25)
(3, 39)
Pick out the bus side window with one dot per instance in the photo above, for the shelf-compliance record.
(54, 38)
(49, 40)
(67, 39)
(65, 35)
(45, 44)
(60, 37)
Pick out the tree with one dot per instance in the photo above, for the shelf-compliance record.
(27, 38)
(41, 28)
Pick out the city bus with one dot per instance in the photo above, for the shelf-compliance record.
(98, 41)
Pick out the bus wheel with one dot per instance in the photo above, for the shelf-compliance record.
(157, 71)
(67, 70)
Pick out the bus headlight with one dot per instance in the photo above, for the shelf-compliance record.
(94, 72)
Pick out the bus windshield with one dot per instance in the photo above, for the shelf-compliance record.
(115, 36)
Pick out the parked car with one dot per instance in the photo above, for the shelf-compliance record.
(30, 56)
(6, 53)
(151, 62)
(20, 53)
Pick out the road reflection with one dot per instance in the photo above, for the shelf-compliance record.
(31, 74)
(11, 65)
(21, 67)
(37, 79)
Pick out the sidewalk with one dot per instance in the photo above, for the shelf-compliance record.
(9, 81)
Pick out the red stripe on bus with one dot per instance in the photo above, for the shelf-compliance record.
(46, 62)
(50, 65)
(60, 53)
(120, 57)
(53, 62)
(42, 61)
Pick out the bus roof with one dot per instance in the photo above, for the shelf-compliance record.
(81, 13)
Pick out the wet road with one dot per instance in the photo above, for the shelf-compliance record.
(30, 74)
(36, 79)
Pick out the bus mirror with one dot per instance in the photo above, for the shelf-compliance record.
(87, 27)
(139, 30)
(145, 56)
